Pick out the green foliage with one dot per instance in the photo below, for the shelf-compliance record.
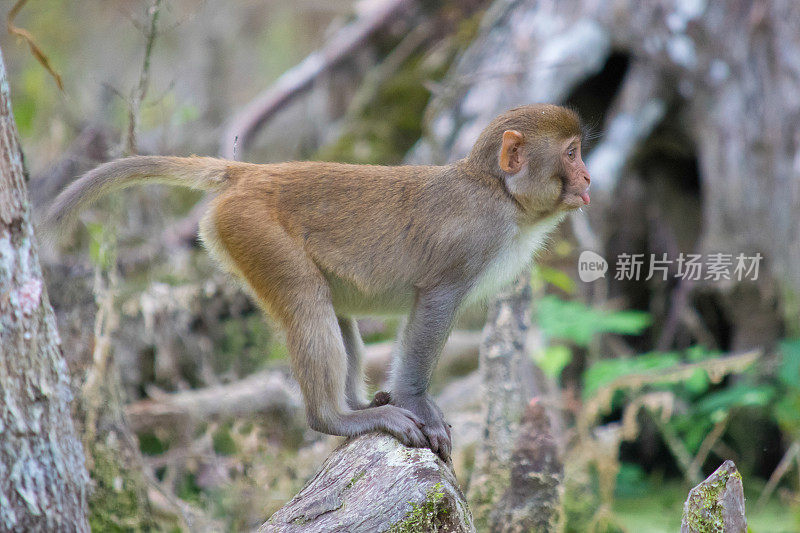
(555, 277)
(553, 359)
(631, 480)
(151, 444)
(576, 322)
(605, 372)
(247, 345)
(223, 441)
(189, 490)
(117, 502)
(787, 407)
(102, 251)
(742, 394)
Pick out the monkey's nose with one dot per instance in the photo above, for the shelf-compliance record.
(587, 178)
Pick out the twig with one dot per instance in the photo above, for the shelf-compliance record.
(783, 467)
(28, 38)
(140, 92)
(300, 78)
(678, 302)
(678, 449)
(393, 62)
(705, 448)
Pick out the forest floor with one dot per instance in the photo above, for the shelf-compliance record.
(658, 509)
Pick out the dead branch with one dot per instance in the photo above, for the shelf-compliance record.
(298, 79)
(273, 392)
(260, 393)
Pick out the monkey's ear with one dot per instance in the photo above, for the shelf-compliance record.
(511, 158)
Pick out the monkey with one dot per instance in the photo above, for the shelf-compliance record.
(317, 244)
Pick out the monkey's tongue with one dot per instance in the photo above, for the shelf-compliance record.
(585, 198)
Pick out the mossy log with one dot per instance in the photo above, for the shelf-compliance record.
(716, 504)
(373, 483)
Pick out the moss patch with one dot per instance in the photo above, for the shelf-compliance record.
(430, 515)
(704, 514)
(116, 503)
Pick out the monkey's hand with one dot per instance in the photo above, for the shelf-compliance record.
(435, 428)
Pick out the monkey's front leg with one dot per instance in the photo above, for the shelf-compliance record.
(428, 326)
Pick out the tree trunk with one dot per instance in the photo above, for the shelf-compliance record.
(43, 478)
(502, 355)
(371, 484)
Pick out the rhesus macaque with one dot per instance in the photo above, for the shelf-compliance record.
(317, 244)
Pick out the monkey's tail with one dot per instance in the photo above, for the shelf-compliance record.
(205, 173)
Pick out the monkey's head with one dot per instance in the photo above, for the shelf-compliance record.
(536, 151)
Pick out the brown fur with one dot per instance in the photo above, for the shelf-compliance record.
(316, 243)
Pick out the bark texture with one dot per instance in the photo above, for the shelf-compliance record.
(716, 504)
(502, 359)
(372, 484)
(533, 497)
(43, 478)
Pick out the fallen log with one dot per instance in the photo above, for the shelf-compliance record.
(373, 483)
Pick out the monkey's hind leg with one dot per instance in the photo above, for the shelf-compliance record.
(354, 346)
(288, 284)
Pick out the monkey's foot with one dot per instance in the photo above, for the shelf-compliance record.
(403, 424)
(435, 429)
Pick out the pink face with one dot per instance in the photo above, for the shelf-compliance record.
(575, 176)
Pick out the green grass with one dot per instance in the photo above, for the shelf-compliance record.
(659, 510)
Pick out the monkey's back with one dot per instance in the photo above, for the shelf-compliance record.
(378, 232)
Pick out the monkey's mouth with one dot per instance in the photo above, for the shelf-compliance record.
(585, 197)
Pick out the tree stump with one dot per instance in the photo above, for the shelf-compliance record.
(533, 497)
(716, 504)
(373, 483)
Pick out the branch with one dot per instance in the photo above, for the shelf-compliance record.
(271, 391)
(374, 483)
(298, 79)
(144, 80)
(261, 392)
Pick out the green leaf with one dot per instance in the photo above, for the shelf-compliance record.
(698, 382)
(789, 370)
(787, 413)
(699, 353)
(631, 480)
(739, 395)
(576, 322)
(553, 359)
(557, 278)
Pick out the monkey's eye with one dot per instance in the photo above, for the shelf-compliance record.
(571, 154)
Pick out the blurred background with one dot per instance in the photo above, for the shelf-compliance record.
(188, 413)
